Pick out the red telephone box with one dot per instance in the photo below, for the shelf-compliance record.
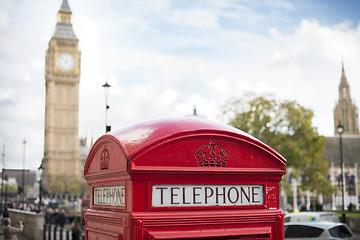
(183, 179)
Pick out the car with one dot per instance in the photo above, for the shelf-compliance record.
(286, 212)
(317, 231)
(312, 216)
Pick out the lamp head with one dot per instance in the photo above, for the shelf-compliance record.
(340, 128)
(106, 87)
(41, 170)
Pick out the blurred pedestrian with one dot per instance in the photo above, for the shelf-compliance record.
(75, 230)
(5, 213)
(62, 218)
(55, 217)
(303, 207)
(9, 231)
(48, 216)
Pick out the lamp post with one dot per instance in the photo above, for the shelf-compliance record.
(23, 177)
(340, 129)
(40, 171)
(6, 187)
(106, 87)
(2, 178)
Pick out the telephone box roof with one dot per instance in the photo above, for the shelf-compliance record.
(184, 143)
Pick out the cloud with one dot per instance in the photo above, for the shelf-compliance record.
(311, 59)
(281, 4)
(198, 18)
(5, 6)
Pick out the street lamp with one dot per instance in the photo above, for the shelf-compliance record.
(23, 176)
(340, 129)
(106, 87)
(2, 178)
(40, 171)
(6, 187)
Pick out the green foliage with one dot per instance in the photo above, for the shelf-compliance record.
(286, 186)
(287, 127)
(11, 189)
(66, 184)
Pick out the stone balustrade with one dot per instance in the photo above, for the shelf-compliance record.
(33, 222)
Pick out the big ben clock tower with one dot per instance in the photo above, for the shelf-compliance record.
(62, 77)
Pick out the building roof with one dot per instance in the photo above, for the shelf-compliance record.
(350, 149)
(64, 28)
(64, 31)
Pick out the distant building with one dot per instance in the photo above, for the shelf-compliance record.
(346, 113)
(83, 150)
(30, 176)
(62, 77)
(351, 160)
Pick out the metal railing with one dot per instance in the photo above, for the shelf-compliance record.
(52, 232)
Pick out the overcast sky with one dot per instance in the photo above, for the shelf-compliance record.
(162, 57)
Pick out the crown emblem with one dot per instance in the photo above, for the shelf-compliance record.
(211, 155)
(104, 159)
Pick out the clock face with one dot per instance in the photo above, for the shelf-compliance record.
(65, 62)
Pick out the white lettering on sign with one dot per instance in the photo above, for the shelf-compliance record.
(207, 195)
(109, 196)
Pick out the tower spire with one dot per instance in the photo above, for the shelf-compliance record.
(343, 77)
(345, 110)
(64, 14)
(64, 28)
(65, 7)
(344, 88)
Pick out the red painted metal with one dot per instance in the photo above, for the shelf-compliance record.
(192, 155)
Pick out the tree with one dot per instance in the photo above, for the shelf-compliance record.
(67, 184)
(287, 127)
(11, 190)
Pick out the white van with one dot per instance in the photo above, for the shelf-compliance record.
(312, 216)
